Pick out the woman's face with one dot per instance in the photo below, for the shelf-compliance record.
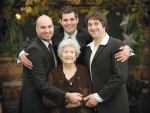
(68, 55)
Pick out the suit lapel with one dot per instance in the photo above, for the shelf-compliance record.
(99, 50)
(57, 39)
(43, 47)
(79, 37)
(88, 55)
(60, 38)
(45, 50)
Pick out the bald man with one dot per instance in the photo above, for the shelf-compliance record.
(34, 80)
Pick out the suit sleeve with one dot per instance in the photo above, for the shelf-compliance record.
(87, 80)
(47, 101)
(25, 44)
(38, 73)
(118, 77)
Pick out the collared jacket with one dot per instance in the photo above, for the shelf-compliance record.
(83, 85)
(109, 77)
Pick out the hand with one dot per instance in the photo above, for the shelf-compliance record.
(71, 105)
(123, 55)
(73, 97)
(91, 101)
(27, 63)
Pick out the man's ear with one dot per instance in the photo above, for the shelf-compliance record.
(77, 20)
(36, 28)
(60, 21)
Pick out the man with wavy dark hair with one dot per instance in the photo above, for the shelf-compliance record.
(108, 76)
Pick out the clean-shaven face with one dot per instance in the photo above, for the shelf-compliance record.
(45, 28)
(69, 23)
(95, 29)
(68, 55)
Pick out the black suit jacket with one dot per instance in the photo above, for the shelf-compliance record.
(109, 77)
(34, 80)
(82, 36)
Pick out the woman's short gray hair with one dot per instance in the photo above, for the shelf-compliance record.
(71, 43)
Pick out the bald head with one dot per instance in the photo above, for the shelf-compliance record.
(42, 19)
(44, 28)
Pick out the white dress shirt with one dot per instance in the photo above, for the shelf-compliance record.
(94, 49)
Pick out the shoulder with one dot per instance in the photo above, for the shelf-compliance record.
(82, 30)
(81, 68)
(84, 33)
(80, 65)
(34, 44)
(58, 29)
(36, 47)
(115, 42)
(83, 72)
(57, 69)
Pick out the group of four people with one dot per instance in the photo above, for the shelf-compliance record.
(91, 67)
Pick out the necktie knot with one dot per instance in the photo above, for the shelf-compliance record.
(69, 37)
(50, 45)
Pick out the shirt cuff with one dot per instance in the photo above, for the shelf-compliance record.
(18, 60)
(98, 98)
(131, 50)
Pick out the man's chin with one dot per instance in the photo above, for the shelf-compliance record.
(48, 36)
(69, 30)
(93, 35)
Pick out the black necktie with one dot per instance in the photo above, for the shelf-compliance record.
(69, 37)
(51, 54)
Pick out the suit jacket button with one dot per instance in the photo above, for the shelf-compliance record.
(78, 77)
(80, 88)
(61, 81)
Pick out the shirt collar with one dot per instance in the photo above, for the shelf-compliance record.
(46, 43)
(73, 36)
(104, 41)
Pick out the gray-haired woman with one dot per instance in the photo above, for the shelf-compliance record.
(70, 77)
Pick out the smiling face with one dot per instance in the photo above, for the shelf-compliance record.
(95, 29)
(68, 55)
(96, 24)
(69, 23)
(44, 28)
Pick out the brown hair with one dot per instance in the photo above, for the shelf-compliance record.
(68, 9)
(96, 15)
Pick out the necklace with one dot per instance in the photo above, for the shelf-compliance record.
(71, 80)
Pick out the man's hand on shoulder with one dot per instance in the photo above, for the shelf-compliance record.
(123, 55)
(27, 63)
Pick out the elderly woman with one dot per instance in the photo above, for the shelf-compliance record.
(70, 77)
